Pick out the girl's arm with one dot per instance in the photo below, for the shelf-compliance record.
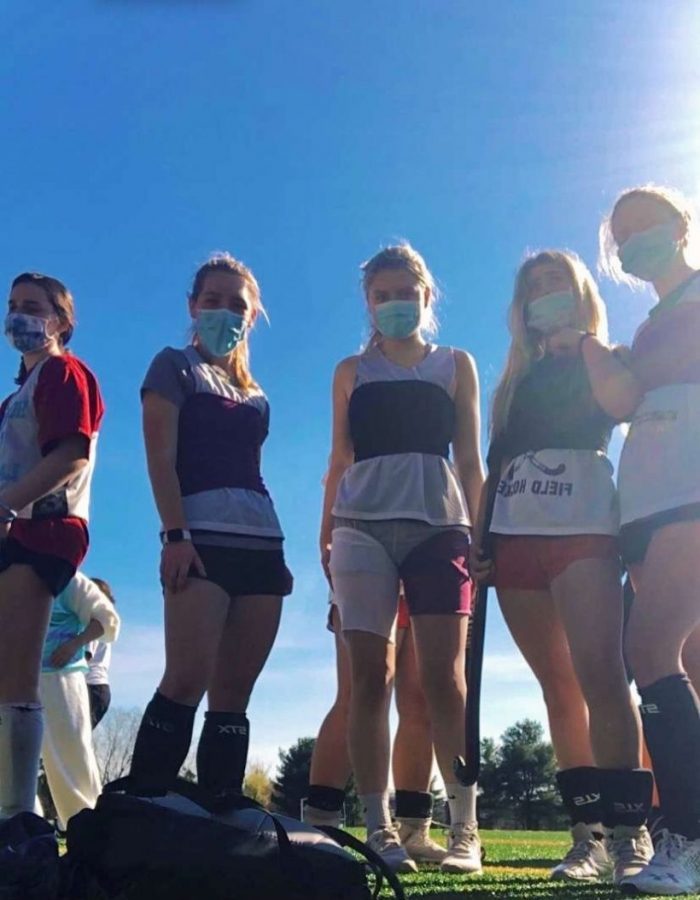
(465, 446)
(89, 604)
(615, 388)
(63, 654)
(59, 466)
(68, 409)
(160, 427)
(342, 454)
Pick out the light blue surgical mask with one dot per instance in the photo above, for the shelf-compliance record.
(551, 312)
(26, 333)
(220, 330)
(397, 319)
(650, 254)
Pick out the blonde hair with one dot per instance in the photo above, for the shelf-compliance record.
(239, 358)
(402, 256)
(676, 204)
(527, 346)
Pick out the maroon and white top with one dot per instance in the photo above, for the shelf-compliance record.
(659, 464)
(221, 430)
(59, 398)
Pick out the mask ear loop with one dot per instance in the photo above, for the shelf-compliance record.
(58, 334)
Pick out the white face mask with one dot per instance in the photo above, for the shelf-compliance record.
(27, 333)
(551, 312)
(649, 254)
(398, 319)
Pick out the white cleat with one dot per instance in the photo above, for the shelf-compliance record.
(630, 850)
(415, 837)
(587, 860)
(386, 843)
(463, 850)
(674, 868)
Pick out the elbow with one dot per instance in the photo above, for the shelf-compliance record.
(619, 402)
(338, 466)
(157, 464)
(621, 413)
(621, 408)
(73, 466)
(78, 465)
(110, 632)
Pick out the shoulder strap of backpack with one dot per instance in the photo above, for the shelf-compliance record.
(379, 868)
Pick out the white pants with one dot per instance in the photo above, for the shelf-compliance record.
(67, 750)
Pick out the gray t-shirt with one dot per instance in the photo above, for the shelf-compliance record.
(221, 430)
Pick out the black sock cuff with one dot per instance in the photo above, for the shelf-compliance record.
(178, 713)
(414, 804)
(580, 791)
(658, 689)
(626, 796)
(329, 799)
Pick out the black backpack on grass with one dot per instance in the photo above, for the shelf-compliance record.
(29, 867)
(187, 845)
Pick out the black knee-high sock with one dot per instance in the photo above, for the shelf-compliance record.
(580, 791)
(162, 742)
(413, 804)
(626, 796)
(223, 751)
(671, 719)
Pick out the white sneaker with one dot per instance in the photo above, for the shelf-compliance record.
(385, 842)
(674, 868)
(415, 837)
(463, 850)
(587, 860)
(630, 850)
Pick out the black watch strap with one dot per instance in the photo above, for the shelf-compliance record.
(175, 536)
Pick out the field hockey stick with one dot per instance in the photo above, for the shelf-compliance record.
(467, 771)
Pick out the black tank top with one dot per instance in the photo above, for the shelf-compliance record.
(553, 407)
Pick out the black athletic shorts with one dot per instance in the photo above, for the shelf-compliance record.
(53, 571)
(636, 537)
(100, 698)
(241, 572)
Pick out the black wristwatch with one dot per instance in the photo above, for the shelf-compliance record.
(175, 536)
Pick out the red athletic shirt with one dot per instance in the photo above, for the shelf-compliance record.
(59, 398)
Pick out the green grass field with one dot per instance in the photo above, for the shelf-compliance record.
(517, 865)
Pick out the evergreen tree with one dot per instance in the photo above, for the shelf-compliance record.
(517, 779)
(292, 781)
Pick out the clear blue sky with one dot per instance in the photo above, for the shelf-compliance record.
(302, 135)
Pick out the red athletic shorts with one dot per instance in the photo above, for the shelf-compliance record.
(530, 563)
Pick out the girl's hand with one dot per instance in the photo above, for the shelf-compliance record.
(63, 654)
(4, 530)
(565, 342)
(482, 570)
(176, 559)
